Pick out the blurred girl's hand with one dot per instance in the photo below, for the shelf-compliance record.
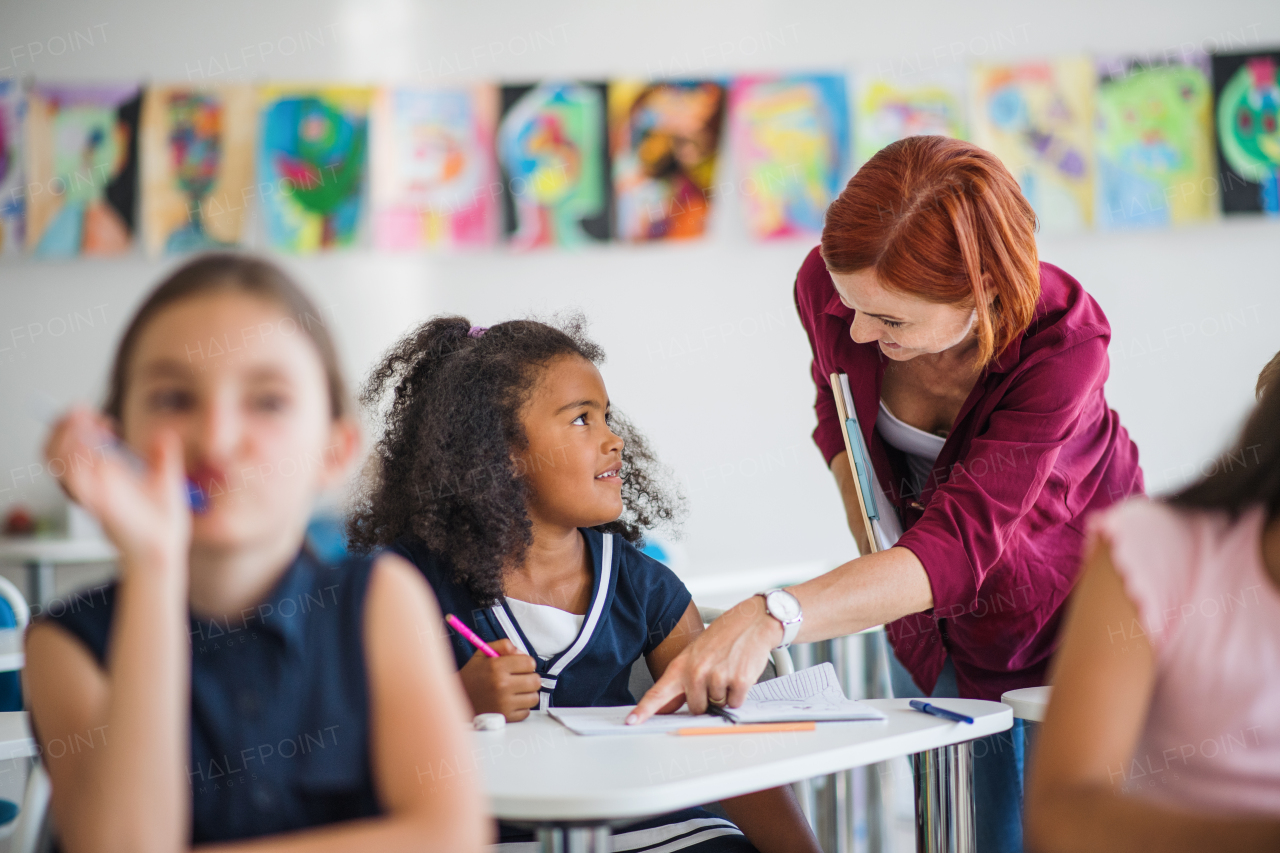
(143, 508)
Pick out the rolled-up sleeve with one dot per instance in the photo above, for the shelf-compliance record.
(971, 517)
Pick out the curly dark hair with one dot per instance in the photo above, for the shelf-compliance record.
(442, 469)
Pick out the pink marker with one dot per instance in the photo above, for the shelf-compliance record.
(470, 636)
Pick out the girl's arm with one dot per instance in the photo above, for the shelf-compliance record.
(771, 820)
(1102, 686)
(425, 772)
(128, 791)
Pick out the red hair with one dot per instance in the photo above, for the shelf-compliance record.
(942, 220)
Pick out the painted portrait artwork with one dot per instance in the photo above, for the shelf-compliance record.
(1038, 117)
(665, 137)
(197, 167)
(1247, 118)
(791, 141)
(553, 153)
(313, 163)
(434, 175)
(82, 162)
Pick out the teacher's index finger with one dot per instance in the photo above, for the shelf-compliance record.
(663, 697)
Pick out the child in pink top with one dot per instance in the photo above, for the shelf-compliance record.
(1164, 728)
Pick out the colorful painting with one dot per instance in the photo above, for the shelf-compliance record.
(1154, 142)
(312, 163)
(197, 167)
(82, 169)
(889, 108)
(434, 176)
(664, 141)
(790, 138)
(1038, 118)
(13, 198)
(1248, 120)
(554, 158)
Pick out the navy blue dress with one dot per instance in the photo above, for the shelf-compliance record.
(279, 704)
(635, 603)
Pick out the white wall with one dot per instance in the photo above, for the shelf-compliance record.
(704, 349)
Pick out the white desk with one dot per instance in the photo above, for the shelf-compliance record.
(1028, 703)
(571, 789)
(41, 556)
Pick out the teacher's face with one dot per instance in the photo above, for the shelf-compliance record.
(904, 326)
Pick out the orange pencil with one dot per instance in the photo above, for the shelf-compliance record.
(749, 729)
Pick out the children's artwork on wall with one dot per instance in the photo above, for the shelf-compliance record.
(664, 139)
(197, 167)
(13, 209)
(889, 108)
(790, 137)
(82, 169)
(1038, 118)
(434, 176)
(554, 158)
(1247, 87)
(312, 165)
(1154, 141)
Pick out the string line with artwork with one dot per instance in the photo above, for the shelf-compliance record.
(1113, 142)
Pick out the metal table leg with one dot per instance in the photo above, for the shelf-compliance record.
(944, 799)
(40, 580)
(574, 839)
(847, 810)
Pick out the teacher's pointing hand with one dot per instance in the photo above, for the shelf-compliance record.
(720, 665)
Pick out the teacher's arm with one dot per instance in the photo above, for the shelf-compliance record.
(728, 657)
(942, 560)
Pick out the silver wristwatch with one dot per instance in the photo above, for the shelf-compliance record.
(784, 607)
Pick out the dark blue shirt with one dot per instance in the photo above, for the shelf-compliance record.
(635, 603)
(279, 703)
(639, 601)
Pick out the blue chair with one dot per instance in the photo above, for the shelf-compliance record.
(327, 537)
(14, 614)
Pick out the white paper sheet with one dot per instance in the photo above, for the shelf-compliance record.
(612, 721)
(810, 694)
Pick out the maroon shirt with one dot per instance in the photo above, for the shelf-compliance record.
(999, 525)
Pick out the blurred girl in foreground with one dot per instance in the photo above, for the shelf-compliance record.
(232, 685)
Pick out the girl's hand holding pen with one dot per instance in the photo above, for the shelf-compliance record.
(506, 685)
(144, 510)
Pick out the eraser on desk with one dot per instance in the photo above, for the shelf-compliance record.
(489, 722)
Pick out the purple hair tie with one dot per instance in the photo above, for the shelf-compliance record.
(477, 331)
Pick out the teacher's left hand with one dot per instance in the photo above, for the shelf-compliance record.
(722, 663)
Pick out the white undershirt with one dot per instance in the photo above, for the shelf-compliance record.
(921, 448)
(549, 630)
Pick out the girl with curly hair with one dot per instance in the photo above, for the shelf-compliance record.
(504, 476)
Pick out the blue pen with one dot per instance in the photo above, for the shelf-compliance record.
(926, 708)
(196, 498)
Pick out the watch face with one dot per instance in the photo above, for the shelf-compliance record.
(783, 605)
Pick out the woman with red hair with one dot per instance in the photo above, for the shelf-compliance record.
(977, 376)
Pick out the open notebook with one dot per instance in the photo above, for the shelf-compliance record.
(878, 514)
(810, 694)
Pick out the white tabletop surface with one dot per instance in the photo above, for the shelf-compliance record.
(1028, 703)
(11, 653)
(537, 770)
(15, 736)
(34, 549)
